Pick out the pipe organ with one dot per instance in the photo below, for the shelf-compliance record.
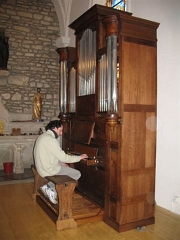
(108, 109)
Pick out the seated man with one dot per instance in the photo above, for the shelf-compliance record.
(50, 159)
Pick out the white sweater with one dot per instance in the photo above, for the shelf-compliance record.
(48, 155)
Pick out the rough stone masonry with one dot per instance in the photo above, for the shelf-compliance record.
(32, 28)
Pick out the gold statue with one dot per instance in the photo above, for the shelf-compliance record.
(37, 105)
(109, 3)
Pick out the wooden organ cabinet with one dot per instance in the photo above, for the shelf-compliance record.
(109, 112)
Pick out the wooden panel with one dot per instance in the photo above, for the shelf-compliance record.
(91, 182)
(133, 143)
(82, 132)
(139, 73)
(137, 195)
(86, 105)
(114, 172)
(137, 184)
(136, 211)
(112, 209)
(101, 36)
(138, 146)
(150, 144)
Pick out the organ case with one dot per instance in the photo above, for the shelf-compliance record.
(115, 95)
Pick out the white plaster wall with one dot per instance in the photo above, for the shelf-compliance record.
(68, 11)
(101, 2)
(78, 8)
(168, 114)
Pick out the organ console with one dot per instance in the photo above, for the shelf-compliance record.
(108, 109)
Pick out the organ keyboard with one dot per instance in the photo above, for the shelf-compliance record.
(92, 159)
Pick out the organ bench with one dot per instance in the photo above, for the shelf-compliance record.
(72, 209)
(63, 210)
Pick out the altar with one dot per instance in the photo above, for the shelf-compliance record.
(17, 149)
(17, 137)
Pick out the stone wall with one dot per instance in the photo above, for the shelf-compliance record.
(32, 28)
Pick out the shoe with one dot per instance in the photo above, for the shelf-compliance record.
(50, 192)
(51, 195)
(44, 189)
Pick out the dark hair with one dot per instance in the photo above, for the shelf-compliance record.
(55, 123)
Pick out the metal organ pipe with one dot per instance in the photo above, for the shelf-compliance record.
(63, 79)
(112, 31)
(72, 96)
(63, 86)
(103, 84)
(87, 63)
(114, 75)
(109, 72)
